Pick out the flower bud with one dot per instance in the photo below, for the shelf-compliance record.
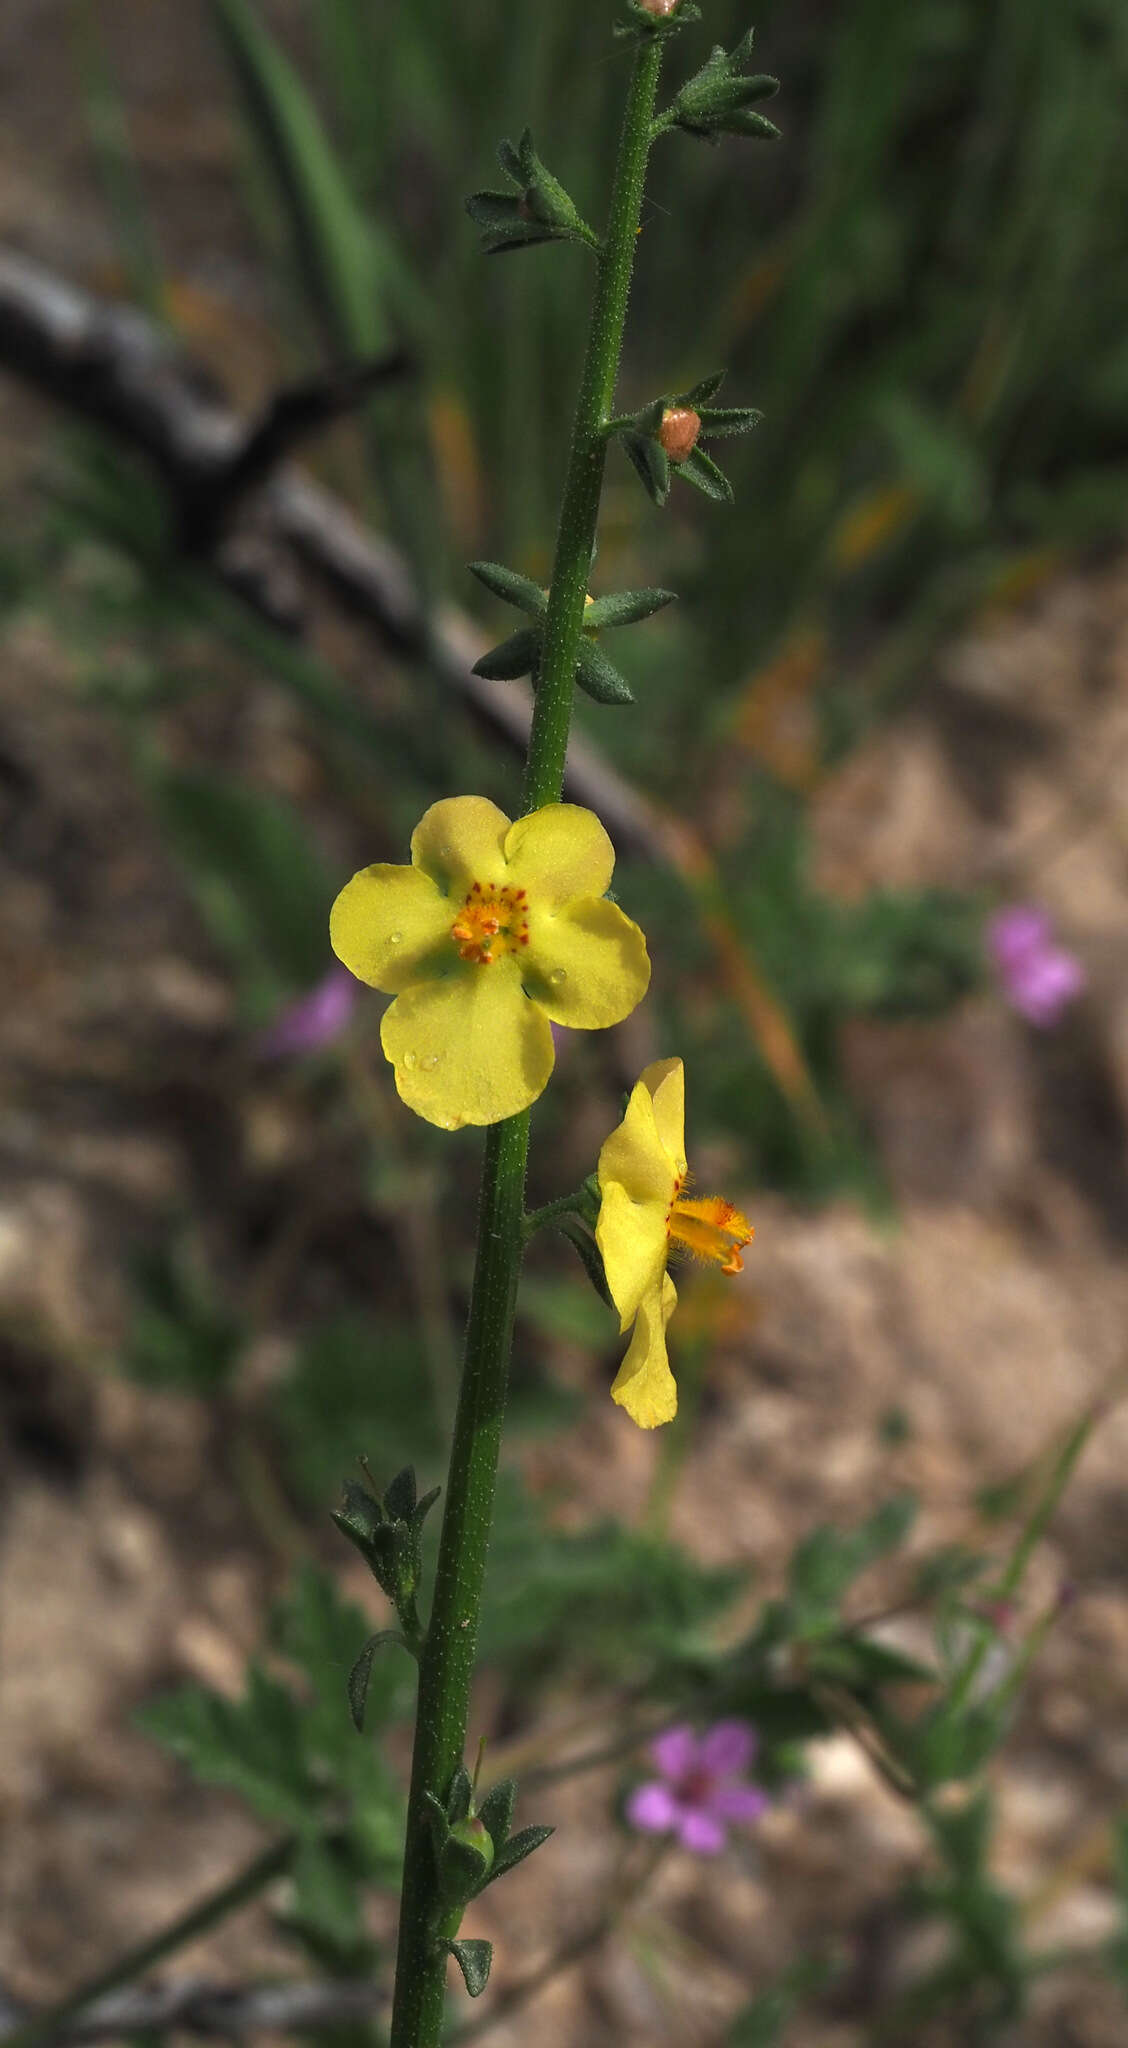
(474, 1834)
(660, 9)
(678, 431)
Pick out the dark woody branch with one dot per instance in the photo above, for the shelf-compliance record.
(109, 364)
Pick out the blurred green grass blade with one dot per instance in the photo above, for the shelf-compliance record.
(108, 128)
(349, 269)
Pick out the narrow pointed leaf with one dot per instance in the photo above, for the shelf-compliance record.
(459, 1797)
(518, 1847)
(571, 1228)
(600, 678)
(511, 587)
(399, 1500)
(473, 1959)
(437, 1822)
(424, 1507)
(361, 1673)
(652, 464)
(496, 1810)
(494, 210)
(745, 122)
(702, 392)
(462, 1871)
(517, 656)
(697, 469)
(510, 162)
(717, 420)
(625, 607)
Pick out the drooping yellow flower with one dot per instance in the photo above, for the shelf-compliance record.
(643, 1214)
(494, 933)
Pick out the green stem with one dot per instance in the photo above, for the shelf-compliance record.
(46, 2026)
(447, 1664)
(579, 510)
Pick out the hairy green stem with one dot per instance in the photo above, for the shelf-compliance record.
(447, 1664)
(579, 509)
(46, 2026)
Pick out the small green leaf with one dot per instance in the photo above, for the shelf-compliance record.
(462, 1871)
(424, 1507)
(703, 474)
(600, 678)
(459, 1796)
(717, 420)
(625, 608)
(651, 462)
(399, 1500)
(541, 212)
(745, 122)
(571, 1228)
(496, 1810)
(473, 1959)
(516, 1849)
(718, 98)
(517, 656)
(700, 393)
(505, 224)
(511, 587)
(361, 1672)
(437, 1822)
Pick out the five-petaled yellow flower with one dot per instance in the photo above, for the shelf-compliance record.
(642, 1214)
(493, 934)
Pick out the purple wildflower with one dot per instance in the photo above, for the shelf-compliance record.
(701, 1789)
(1040, 978)
(314, 1020)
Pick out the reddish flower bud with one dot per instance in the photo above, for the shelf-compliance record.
(660, 9)
(679, 430)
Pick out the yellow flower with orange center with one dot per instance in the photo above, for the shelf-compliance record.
(643, 1214)
(494, 933)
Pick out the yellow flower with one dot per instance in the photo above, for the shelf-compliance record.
(643, 1212)
(494, 933)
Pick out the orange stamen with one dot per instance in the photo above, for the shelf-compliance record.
(711, 1229)
(491, 920)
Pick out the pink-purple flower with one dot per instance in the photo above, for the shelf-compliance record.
(1040, 978)
(702, 1787)
(315, 1020)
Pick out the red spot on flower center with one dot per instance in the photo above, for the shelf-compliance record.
(694, 1788)
(491, 921)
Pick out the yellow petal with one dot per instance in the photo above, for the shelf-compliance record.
(665, 1080)
(469, 1048)
(644, 1384)
(386, 924)
(558, 853)
(635, 1156)
(461, 841)
(632, 1241)
(587, 965)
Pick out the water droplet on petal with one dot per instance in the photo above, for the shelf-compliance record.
(409, 1059)
(431, 1062)
(395, 938)
(558, 975)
